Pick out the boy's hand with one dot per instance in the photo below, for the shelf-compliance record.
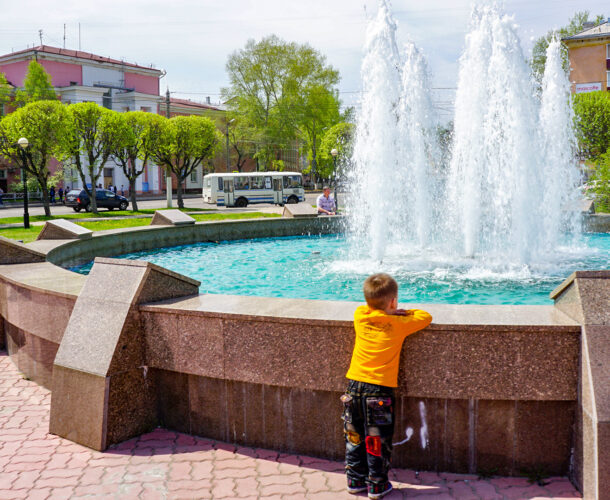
(403, 312)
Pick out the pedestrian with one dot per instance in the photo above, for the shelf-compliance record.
(122, 190)
(369, 402)
(60, 193)
(326, 205)
(1, 194)
(114, 188)
(52, 194)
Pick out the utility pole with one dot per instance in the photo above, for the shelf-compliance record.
(40, 35)
(64, 35)
(168, 172)
(78, 36)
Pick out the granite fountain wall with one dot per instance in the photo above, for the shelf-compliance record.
(491, 389)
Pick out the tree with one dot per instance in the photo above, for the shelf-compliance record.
(241, 141)
(574, 26)
(601, 183)
(5, 92)
(95, 133)
(46, 125)
(592, 115)
(36, 86)
(185, 142)
(139, 133)
(274, 88)
(341, 138)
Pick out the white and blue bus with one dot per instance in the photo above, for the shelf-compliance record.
(241, 189)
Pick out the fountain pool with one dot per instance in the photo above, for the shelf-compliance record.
(322, 267)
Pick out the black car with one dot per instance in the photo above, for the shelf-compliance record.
(78, 199)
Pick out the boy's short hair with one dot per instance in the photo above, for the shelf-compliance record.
(379, 289)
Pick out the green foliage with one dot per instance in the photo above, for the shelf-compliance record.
(182, 144)
(33, 187)
(600, 184)
(281, 91)
(95, 133)
(5, 90)
(592, 115)
(341, 138)
(36, 86)
(46, 125)
(574, 26)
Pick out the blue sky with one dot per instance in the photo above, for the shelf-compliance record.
(192, 39)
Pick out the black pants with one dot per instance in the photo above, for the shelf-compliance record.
(368, 416)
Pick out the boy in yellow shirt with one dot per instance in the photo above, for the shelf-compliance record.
(368, 404)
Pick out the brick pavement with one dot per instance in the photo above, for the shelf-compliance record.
(168, 465)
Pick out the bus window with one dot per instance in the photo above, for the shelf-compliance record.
(208, 182)
(257, 182)
(220, 184)
(242, 183)
(292, 181)
(267, 182)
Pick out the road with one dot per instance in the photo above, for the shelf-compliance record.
(195, 202)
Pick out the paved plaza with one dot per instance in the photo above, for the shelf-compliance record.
(168, 465)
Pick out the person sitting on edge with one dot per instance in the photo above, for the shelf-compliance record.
(368, 404)
(326, 204)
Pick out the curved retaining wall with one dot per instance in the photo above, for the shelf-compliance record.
(496, 387)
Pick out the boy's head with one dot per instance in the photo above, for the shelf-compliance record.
(380, 290)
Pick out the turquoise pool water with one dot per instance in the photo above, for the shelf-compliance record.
(320, 267)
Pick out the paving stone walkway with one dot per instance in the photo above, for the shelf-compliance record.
(168, 465)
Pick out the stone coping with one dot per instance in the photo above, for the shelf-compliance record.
(446, 316)
(577, 274)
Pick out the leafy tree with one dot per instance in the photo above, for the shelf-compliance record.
(592, 115)
(574, 26)
(185, 142)
(274, 86)
(36, 86)
(139, 133)
(46, 125)
(341, 138)
(5, 92)
(95, 133)
(241, 134)
(601, 183)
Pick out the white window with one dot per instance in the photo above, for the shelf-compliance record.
(607, 79)
(194, 176)
(2, 174)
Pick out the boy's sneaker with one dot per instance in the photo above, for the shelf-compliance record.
(354, 486)
(379, 490)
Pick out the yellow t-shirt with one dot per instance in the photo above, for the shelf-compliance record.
(379, 338)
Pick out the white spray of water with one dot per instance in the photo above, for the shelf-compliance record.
(390, 173)
(512, 167)
(408, 436)
(558, 162)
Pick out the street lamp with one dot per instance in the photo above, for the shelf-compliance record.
(227, 134)
(23, 144)
(334, 152)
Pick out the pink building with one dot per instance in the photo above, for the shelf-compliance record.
(80, 76)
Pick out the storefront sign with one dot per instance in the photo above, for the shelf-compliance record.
(588, 87)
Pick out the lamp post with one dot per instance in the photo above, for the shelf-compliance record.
(227, 134)
(23, 144)
(334, 152)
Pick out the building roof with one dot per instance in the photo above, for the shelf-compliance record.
(193, 104)
(599, 31)
(46, 49)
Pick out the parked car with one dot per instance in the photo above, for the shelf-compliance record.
(78, 200)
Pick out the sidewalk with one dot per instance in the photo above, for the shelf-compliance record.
(168, 465)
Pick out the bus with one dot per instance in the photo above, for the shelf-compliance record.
(239, 189)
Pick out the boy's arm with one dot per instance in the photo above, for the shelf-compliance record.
(417, 319)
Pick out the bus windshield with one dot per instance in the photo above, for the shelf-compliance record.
(292, 181)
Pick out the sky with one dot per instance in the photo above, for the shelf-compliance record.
(192, 39)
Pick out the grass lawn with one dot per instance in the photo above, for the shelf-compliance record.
(27, 235)
(102, 213)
